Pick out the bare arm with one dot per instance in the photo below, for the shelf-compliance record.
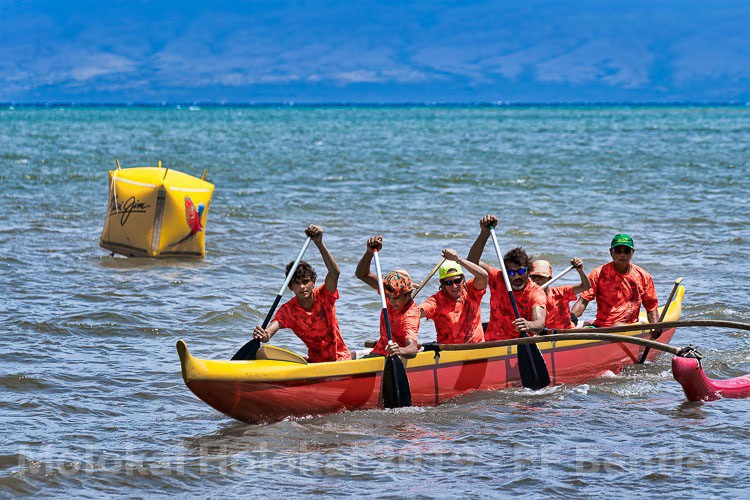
(265, 335)
(364, 267)
(408, 351)
(538, 317)
(585, 284)
(475, 253)
(579, 307)
(480, 275)
(332, 278)
(653, 317)
(536, 325)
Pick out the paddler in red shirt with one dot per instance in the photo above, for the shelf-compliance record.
(403, 313)
(311, 314)
(619, 288)
(455, 309)
(559, 297)
(530, 298)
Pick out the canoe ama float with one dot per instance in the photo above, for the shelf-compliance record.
(698, 387)
(285, 385)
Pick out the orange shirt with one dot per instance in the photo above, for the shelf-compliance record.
(317, 328)
(558, 307)
(456, 321)
(619, 296)
(404, 325)
(501, 309)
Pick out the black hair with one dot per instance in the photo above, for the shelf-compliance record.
(518, 257)
(303, 272)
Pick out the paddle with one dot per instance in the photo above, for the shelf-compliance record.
(396, 390)
(531, 366)
(371, 343)
(663, 315)
(570, 268)
(427, 278)
(250, 349)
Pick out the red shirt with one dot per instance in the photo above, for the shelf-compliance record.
(501, 309)
(404, 325)
(317, 328)
(558, 307)
(619, 296)
(456, 321)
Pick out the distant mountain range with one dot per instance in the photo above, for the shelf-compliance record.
(375, 52)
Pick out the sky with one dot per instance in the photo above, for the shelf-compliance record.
(377, 51)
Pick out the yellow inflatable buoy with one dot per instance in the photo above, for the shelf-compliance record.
(156, 212)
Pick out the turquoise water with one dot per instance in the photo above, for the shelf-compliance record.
(92, 401)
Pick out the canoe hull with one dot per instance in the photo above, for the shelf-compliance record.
(698, 387)
(269, 390)
(433, 379)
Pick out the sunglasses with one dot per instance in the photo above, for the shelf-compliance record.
(518, 272)
(452, 282)
(622, 249)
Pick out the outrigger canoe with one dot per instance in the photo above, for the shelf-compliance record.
(281, 384)
(699, 387)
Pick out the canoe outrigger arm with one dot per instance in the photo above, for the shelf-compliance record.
(688, 351)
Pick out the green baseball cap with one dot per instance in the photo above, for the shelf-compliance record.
(622, 240)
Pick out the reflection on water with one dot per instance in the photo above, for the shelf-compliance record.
(691, 410)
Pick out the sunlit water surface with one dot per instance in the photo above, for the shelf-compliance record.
(91, 397)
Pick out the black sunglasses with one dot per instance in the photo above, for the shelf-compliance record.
(622, 249)
(456, 281)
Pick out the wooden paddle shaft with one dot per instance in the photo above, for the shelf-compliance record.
(669, 300)
(663, 315)
(427, 278)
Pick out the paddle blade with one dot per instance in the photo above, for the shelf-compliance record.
(533, 369)
(248, 351)
(396, 390)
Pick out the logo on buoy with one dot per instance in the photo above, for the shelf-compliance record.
(193, 217)
(124, 209)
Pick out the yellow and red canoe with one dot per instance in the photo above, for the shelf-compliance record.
(281, 384)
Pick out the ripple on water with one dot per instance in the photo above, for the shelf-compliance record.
(22, 383)
(93, 402)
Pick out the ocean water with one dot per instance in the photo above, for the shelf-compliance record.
(91, 398)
